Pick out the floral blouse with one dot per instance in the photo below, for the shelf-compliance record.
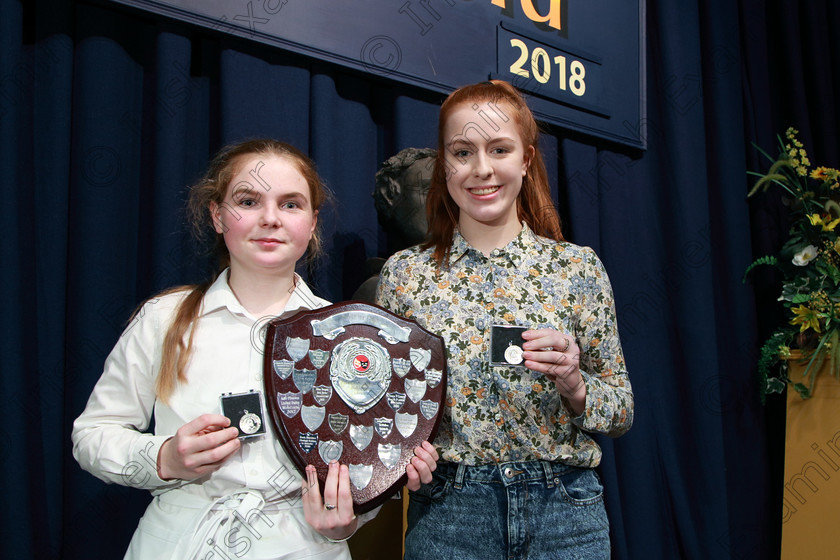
(511, 413)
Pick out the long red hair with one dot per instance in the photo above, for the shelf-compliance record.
(534, 204)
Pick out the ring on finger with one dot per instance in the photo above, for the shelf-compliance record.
(329, 507)
(567, 345)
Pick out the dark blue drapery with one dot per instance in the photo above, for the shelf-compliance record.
(108, 114)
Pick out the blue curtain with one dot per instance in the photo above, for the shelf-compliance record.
(108, 114)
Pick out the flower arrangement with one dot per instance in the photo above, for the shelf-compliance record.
(810, 265)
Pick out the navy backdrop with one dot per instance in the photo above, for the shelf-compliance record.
(108, 114)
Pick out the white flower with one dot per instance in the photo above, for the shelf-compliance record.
(805, 256)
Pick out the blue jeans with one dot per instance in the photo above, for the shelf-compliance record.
(534, 510)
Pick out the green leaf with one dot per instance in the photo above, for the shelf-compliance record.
(766, 260)
(774, 385)
(803, 390)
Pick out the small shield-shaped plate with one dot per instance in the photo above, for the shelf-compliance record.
(304, 379)
(289, 403)
(361, 436)
(283, 368)
(297, 348)
(322, 394)
(433, 377)
(330, 450)
(405, 423)
(428, 409)
(338, 422)
(396, 400)
(389, 454)
(401, 366)
(307, 441)
(360, 475)
(319, 358)
(383, 426)
(415, 389)
(312, 416)
(420, 357)
(345, 382)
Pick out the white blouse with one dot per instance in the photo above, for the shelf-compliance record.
(251, 506)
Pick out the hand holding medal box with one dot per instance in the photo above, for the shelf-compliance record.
(354, 383)
(506, 345)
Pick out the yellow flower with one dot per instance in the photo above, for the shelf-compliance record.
(806, 318)
(817, 220)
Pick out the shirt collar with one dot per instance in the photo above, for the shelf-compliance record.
(515, 251)
(219, 295)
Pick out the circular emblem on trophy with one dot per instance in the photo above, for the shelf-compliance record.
(361, 363)
(356, 384)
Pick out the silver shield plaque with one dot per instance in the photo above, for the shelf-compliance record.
(401, 366)
(322, 394)
(396, 400)
(361, 436)
(304, 379)
(389, 454)
(356, 384)
(330, 450)
(338, 422)
(289, 403)
(405, 423)
(420, 357)
(297, 348)
(283, 368)
(415, 389)
(312, 416)
(383, 426)
(360, 475)
(319, 358)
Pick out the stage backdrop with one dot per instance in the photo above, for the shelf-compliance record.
(108, 113)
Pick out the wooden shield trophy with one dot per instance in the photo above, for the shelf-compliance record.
(356, 384)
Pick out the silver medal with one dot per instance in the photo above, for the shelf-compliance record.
(406, 423)
(389, 454)
(361, 436)
(249, 423)
(312, 416)
(513, 354)
(360, 475)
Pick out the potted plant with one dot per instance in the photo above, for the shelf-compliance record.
(807, 349)
(809, 262)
